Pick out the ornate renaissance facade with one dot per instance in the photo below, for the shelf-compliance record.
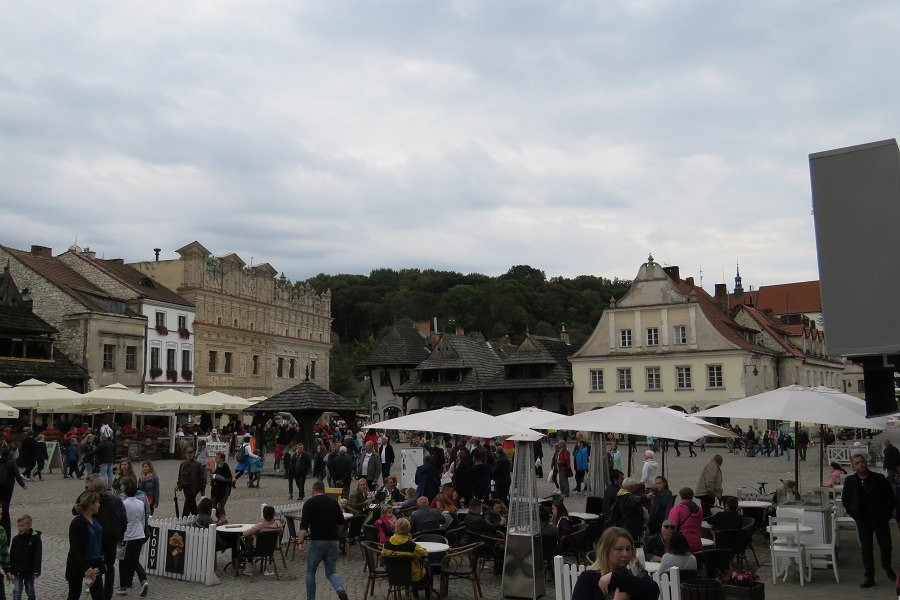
(255, 334)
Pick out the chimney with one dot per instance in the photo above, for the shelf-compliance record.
(88, 253)
(689, 281)
(672, 272)
(41, 251)
(156, 251)
(460, 330)
(721, 291)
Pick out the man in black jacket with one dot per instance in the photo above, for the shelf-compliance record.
(105, 456)
(387, 456)
(868, 498)
(9, 476)
(341, 470)
(27, 452)
(192, 480)
(297, 470)
(501, 474)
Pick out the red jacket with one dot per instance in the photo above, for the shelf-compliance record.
(687, 517)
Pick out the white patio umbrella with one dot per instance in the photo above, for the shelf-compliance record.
(34, 394)
(631, 418)
(3, 385)
(174, 401)
(714, 429)
(457, 420)
(532, 417)
(111, 398)
(225, 402)
(799, 404)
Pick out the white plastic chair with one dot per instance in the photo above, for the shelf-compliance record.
(786, 544)
(828, 552)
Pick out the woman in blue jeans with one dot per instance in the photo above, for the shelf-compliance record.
(136, 512)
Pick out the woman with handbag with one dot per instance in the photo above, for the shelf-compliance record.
(563, 468)
(149, 484)
(136, 513)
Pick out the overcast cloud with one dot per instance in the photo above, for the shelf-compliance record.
(473, 135)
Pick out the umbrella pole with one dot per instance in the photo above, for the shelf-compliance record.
(797, 456)
(821, 454)
(628, 439)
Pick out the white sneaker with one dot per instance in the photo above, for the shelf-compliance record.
(145, 587)
(122, 592)
(270, 573)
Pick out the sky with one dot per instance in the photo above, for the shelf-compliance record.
(339, 137)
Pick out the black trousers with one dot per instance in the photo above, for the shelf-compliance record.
(706, 502)
(882, 534)
(190, 503)
(579, 477)
(300, 480)
(109, 577)
(4, 521)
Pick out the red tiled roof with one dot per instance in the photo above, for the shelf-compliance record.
(723, 322)
(139, 282)
(790, 298)
(62, 276)
(774, 328)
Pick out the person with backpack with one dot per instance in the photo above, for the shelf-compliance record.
(242, 459)
(688, 517)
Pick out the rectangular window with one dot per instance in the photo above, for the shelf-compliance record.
(861, 386)
(280, 368)
(182, 322)
(624, 376)
(384, 379)
(228, 362)
(213, 359)
(652, 336)
(291, 368)
(680, 336)
(186, 361)
(312, 369)
(161, 318)
(683, 378)
(653, 379)
(109, 357)
(170, 359)
(256, 364)
(154, 358)
(131, 358)
(596, 380)
(714, 376)
(625, 338)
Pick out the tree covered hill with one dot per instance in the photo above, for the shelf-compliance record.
(519, 301)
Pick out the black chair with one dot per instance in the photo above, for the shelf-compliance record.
(454, 535)
(736, 540)
(713, 563)
(594, 504)
(370, 533)
(291, 528)
(460, 563)
(263, 552)
(399, 576)
(750, 526)
(352, 532)
(372, 554)
(430, 537)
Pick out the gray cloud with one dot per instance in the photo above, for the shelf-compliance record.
(468, 135)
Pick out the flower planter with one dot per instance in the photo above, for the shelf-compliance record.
(757, 591)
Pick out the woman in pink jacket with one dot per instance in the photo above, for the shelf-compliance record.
(687, 517)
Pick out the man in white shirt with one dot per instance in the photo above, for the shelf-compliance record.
(649, 470)
(106, 430)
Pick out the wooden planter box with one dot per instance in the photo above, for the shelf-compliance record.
(739, 592)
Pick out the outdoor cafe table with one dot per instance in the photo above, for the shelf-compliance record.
(234, 530)
(757, 504)
(434, 547)
(707, 543)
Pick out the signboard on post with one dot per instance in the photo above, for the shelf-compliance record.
(55, 456)
(410, 460)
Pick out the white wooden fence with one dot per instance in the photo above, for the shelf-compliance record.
(565, 575)
(198, 551)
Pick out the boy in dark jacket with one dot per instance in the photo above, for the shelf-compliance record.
(25, 554)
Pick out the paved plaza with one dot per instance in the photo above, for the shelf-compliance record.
(50, 502)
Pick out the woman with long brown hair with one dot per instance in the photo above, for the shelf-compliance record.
(609, 576)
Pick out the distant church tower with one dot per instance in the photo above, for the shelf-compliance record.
(738, 288)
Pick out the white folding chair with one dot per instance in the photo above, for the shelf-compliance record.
(786, 544)
(821, 552)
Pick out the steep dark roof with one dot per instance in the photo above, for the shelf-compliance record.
(64, 277)
(400, 346)
(23, 322)
(139, 282)
(478, 362)
(539, 349)
(305, 396)
(59, 369)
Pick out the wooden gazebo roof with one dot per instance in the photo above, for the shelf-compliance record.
(304, 397)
